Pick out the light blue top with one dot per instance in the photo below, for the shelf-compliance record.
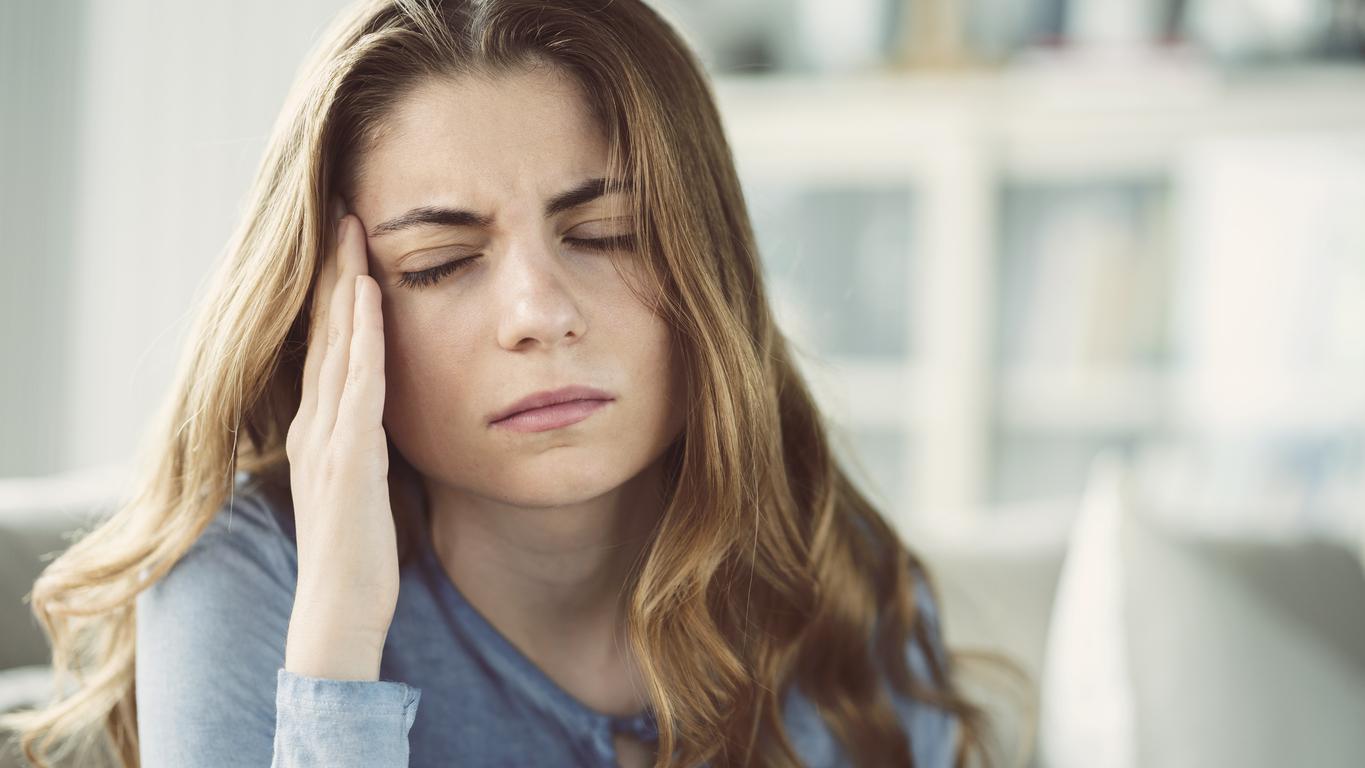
(212, 689)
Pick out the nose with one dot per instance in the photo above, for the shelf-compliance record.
(538, 304)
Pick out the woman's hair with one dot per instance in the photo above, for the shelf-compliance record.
(767, 567)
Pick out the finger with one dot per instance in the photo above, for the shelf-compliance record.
(340, 310)
(362, 403)
(317, 325)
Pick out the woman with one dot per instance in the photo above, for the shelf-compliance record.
(487, 450)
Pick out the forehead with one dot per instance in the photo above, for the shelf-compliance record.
(477, 137)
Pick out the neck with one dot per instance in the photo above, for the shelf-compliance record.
(549, 578)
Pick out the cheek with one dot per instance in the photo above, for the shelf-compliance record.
(633, 325)
(647, 349)
(643, 331)
(428, 364)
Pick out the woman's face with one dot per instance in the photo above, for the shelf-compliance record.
(531, 309)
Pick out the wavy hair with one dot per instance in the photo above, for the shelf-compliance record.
(758, 506)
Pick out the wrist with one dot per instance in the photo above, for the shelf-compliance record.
(319, 646)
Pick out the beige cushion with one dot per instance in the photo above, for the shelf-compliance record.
(1245, 650)
(37, 518)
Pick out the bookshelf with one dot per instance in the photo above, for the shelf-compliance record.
(909, 225)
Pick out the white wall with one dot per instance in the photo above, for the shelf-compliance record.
(40, 111)
(126, 159)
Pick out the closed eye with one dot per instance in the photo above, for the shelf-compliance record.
(434, 275)
(431, 276)
(612, 243)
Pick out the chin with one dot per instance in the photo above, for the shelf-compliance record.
(558, 478)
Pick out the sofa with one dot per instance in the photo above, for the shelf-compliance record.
(1144, 637)
(39, 518)
(1161, 628)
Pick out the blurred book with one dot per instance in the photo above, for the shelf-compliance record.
(1083, 277)
(838, 262)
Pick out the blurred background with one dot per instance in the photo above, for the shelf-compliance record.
(1081, 284)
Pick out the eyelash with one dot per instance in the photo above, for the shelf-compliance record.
(431, 276)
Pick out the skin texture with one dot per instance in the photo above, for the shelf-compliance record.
(537, 529)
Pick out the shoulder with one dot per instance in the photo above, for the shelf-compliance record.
(932, 730)
(244, 559)
(249, 539)
(210, 635)
(928, 614)
(263, 507)
(928, 646)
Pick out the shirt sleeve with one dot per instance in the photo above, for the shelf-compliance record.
(323, 722)
(210, 681)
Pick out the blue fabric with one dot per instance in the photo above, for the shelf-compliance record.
(212, 689)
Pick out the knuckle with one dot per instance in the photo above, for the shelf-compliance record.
(333, 336)
(336, 462)
(357, 374)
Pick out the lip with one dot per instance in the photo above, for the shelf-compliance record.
(551, 416)
(565, 398)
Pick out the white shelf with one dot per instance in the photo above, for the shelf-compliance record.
(865, 393)
(1095, 400)
(1214, 401)
(957, 140)
(1041, 123)
(882, 394)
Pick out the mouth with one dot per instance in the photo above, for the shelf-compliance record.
(551, 416)
(551, 409)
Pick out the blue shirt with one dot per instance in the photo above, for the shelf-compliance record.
(212, 689)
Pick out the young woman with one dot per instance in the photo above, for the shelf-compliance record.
(487, 450)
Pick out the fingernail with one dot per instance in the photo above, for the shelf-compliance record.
(338, 208)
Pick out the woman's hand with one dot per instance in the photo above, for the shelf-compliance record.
(338, 469)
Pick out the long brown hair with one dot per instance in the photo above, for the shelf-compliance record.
(768, 567)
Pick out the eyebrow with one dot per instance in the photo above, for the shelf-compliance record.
(440, 216)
